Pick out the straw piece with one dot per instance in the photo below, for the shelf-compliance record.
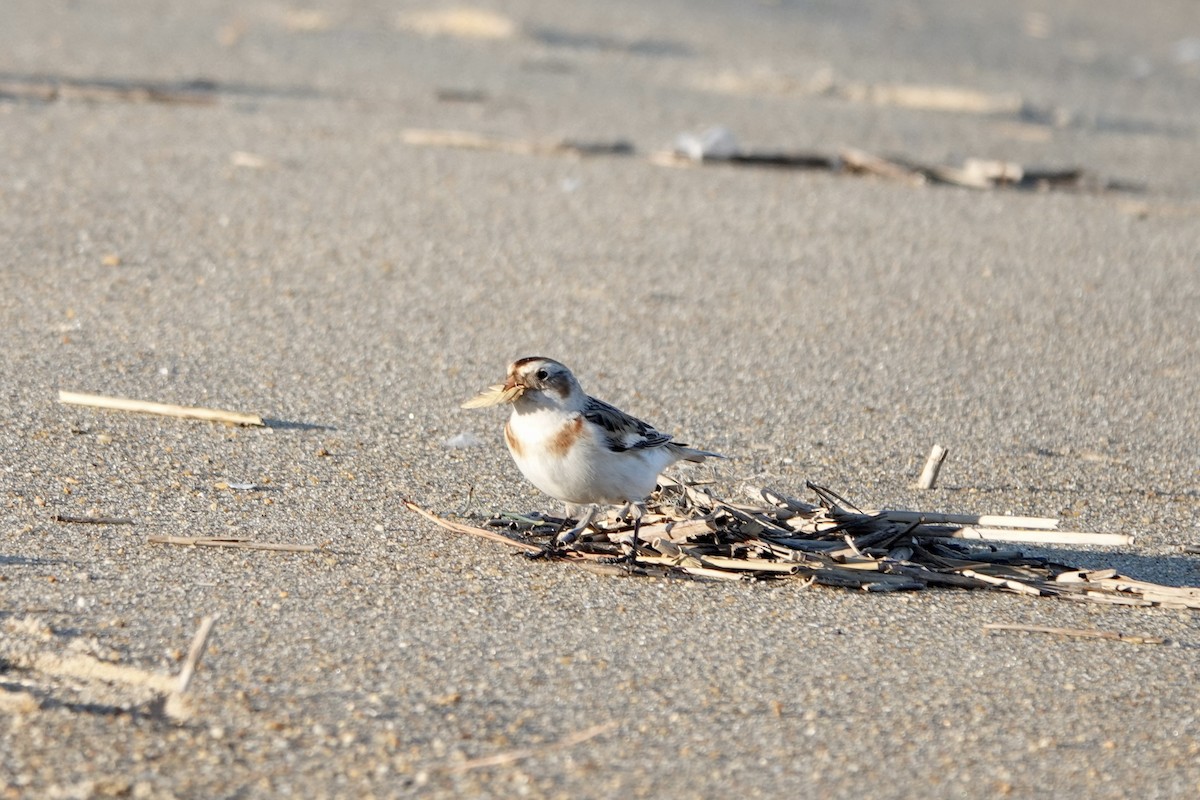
(162, 409)
(241, 544)
(1076, 632)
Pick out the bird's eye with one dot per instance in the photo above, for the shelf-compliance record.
(541, 374)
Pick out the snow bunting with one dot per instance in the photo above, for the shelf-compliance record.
(575, 448)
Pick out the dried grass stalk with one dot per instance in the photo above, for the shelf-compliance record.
(162, 409)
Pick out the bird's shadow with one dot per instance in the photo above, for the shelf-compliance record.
(1178, 571)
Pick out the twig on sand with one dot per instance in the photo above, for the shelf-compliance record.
(162, 409)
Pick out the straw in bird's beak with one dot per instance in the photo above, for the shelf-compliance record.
(496, 395)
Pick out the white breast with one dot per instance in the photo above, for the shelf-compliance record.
(564, 455)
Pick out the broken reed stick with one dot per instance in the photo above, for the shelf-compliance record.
(162, 409)
(243, 544)
(933, 465)
(1076, 632)
(983, 520)
(1033, 537)
(176, 706)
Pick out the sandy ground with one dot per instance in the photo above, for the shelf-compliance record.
(277, 247)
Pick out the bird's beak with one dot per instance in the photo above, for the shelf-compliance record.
(497, 395)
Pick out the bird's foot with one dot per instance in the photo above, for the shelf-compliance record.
(561, 541)
(629, 559)
(550, 550)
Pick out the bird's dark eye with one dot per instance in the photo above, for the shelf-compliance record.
(541, 374)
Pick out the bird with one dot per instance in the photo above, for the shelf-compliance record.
(579, 450)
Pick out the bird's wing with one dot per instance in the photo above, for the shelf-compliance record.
(621, 431)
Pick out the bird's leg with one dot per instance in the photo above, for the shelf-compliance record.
(564, 538)
(630, 558)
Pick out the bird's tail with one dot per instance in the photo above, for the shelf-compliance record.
(686, 453)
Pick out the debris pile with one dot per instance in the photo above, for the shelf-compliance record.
(688, 532)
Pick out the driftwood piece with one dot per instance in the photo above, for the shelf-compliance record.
(687, 532)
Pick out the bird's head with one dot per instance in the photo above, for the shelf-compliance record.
(532, 381)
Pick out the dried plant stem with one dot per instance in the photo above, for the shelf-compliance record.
(195, 653)
(481, 532)
(162, 409)
(985, 520)
(176, 706)
(933, 465)
(1038, 537)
